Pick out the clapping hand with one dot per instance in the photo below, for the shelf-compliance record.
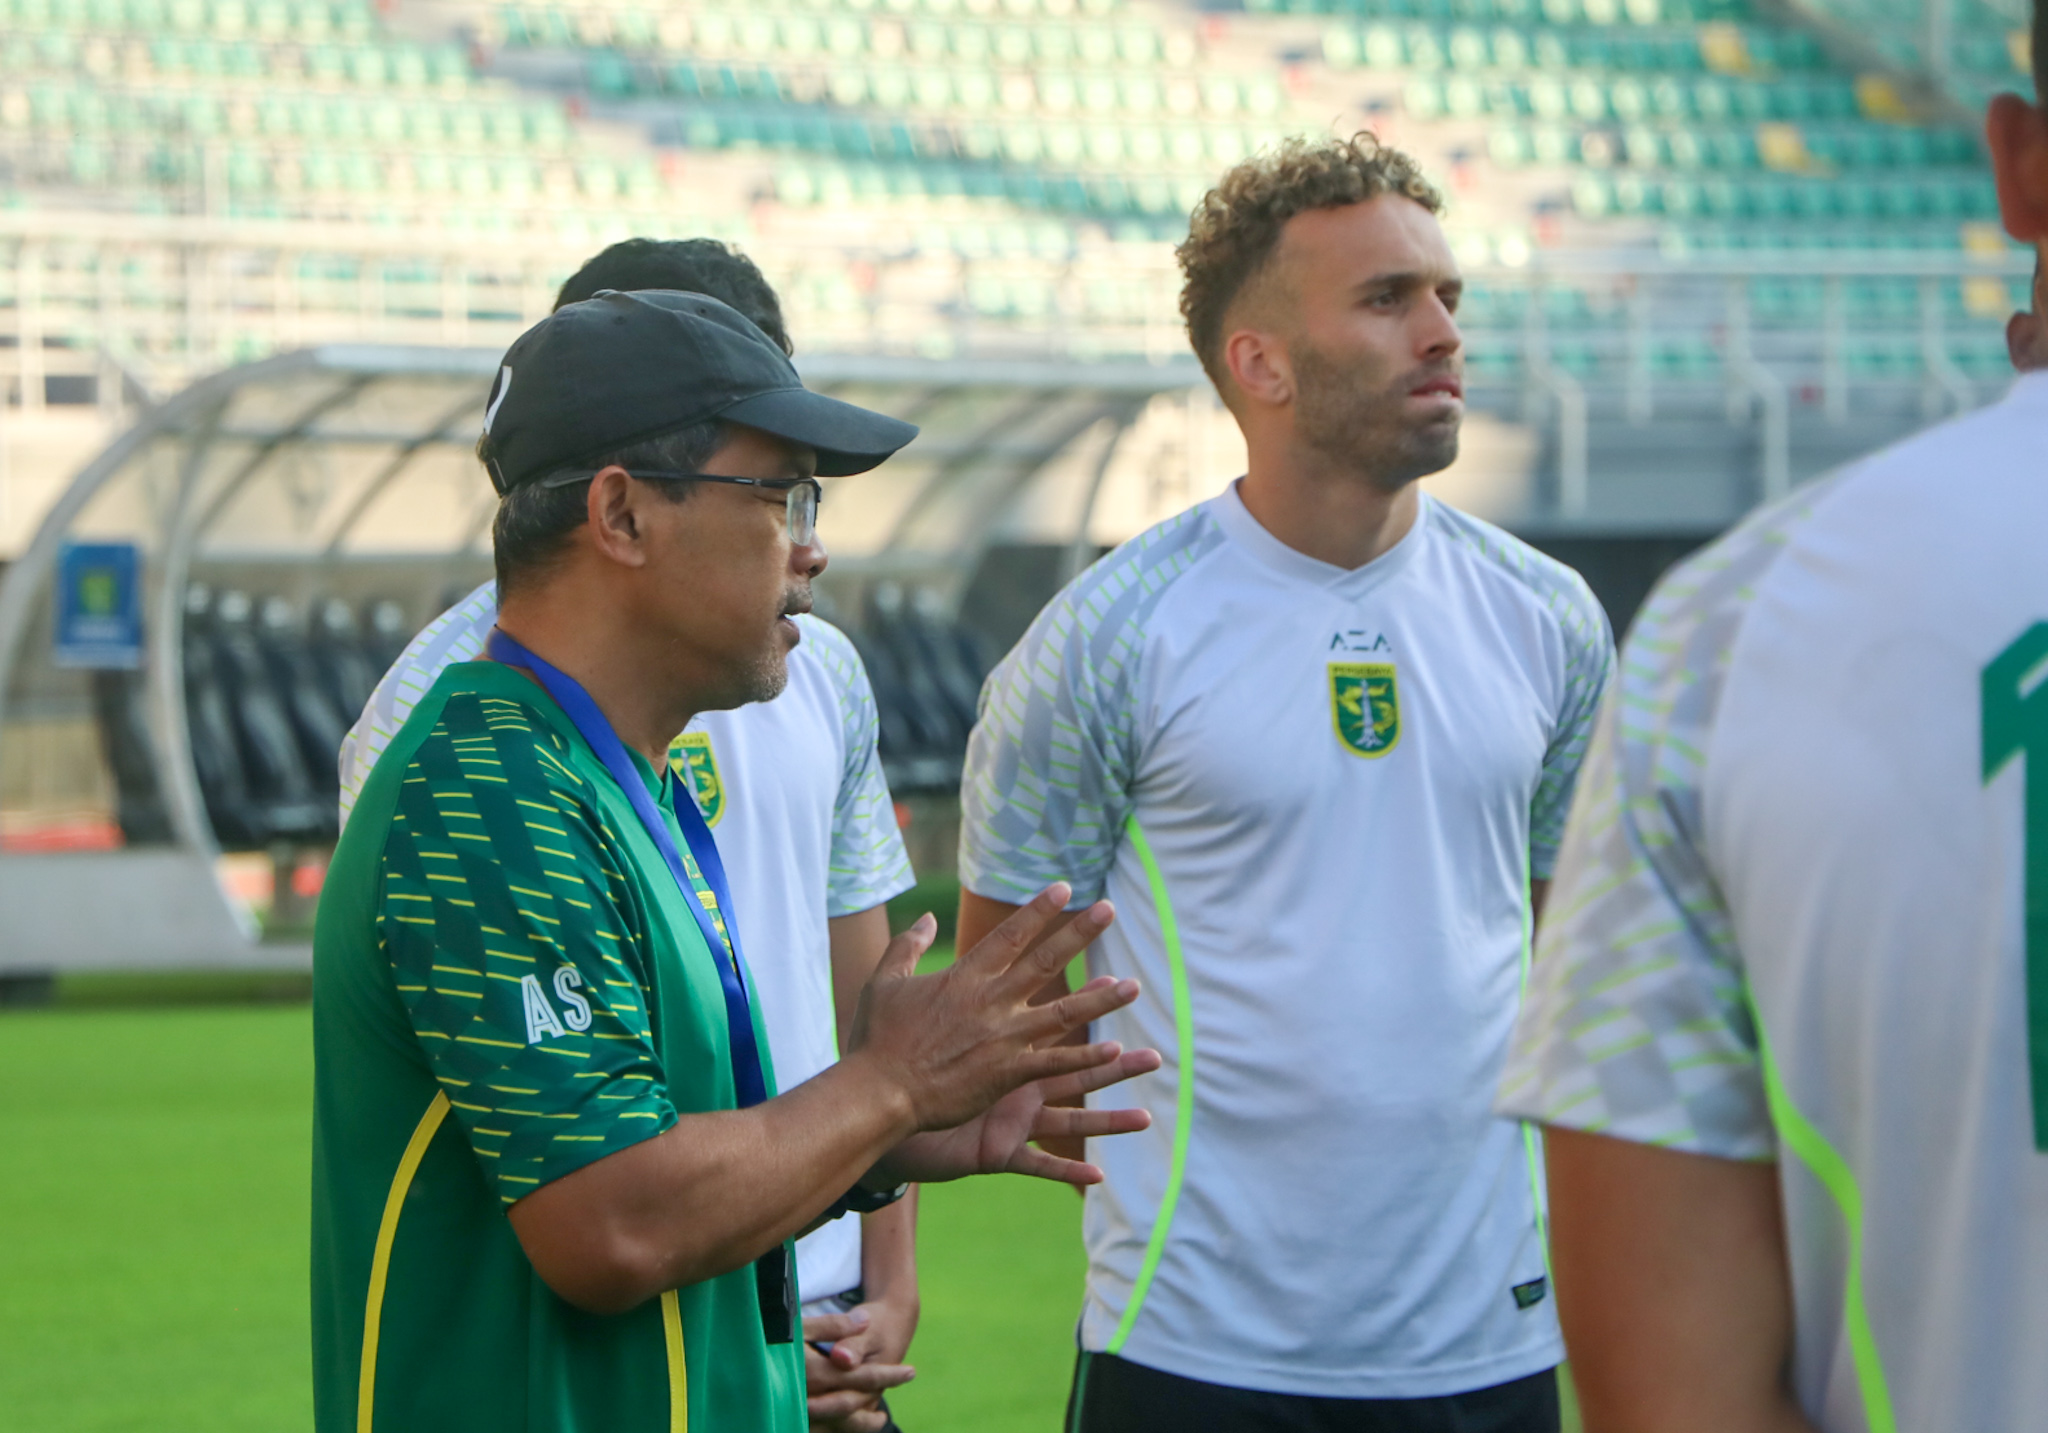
(984, 1068)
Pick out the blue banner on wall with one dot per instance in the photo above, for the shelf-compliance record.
(99, 605)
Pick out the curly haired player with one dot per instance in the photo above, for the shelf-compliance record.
(1316, 737)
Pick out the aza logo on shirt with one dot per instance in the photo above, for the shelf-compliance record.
(1365, 707)
(692, 759)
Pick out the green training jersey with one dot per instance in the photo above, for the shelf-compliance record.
(508, 986)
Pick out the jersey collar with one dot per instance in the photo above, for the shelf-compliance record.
(493, 679)
(1270, 552)
(2029, 391)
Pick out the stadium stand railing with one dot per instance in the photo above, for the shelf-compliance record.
(1964, 50)
(1665, 206)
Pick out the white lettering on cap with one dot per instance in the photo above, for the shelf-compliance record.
(504, 386)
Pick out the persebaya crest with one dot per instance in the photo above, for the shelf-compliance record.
(692, 758)
(1365, 706)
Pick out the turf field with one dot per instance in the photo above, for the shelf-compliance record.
(154, 1266)
(155, 1260)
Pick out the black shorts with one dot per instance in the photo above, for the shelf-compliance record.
(1114, 1395)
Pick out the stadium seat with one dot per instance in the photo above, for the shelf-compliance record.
(317, 722)
(120, 702)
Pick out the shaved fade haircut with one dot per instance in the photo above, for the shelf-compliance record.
(1234, 230)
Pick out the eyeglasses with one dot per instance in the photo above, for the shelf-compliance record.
(800, 495)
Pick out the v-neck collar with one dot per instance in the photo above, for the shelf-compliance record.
(1270, 552)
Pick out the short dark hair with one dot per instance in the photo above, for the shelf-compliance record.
(698, 266)
(1236, 227)
(535, 520)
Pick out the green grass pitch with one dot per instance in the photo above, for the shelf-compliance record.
(155, 1202)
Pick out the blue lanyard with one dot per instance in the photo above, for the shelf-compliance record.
(750, 1087)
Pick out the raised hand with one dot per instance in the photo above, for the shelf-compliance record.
(961, 1042)
(1000, 1141)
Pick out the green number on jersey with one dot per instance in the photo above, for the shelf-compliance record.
(2016, 721)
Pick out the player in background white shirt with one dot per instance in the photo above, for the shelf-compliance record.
(794, 793)
(1315, 738)
(1788, 1021)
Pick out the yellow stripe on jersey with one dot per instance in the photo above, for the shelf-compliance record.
(678, 1369)
(380, 1261)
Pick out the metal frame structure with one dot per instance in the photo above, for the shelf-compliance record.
(165, 905)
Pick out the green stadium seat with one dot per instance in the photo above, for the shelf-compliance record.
(1464, 99)
(1897, 201)
(1508, 148)
(1593, 196)
(1633, 195)
(1142, 94)
(975, 89)
(1671, 99)
(1733, 149)
(1629, 99)
(369, 66)
(1681, 197)
(1554, 145)
(1549, 99)
(1812, 198)
(1154, 195)
(345, 121)
(90, 162)
(360, 173)
(1645, 147)
(1383, 48)
(1753, 101)
(980, 141)
(1720, 197)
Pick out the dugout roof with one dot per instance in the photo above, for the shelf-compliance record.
(335, 491)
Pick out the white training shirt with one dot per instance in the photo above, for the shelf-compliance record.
(796, 800)
(1345, 780)
(1788, 920)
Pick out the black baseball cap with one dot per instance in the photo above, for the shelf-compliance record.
(620, 368)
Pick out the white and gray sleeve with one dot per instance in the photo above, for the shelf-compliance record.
(1636, 1023)
(868, 862)
(1588, 667)
(457, 635)
(1050, 763)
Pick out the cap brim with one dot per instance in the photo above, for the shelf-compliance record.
(846, 438)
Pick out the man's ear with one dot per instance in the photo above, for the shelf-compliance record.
(613, 517)
(2018, 136)
(1260, 367)
(2023, 341)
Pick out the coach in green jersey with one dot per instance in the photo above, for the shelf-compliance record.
(554, 1183)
